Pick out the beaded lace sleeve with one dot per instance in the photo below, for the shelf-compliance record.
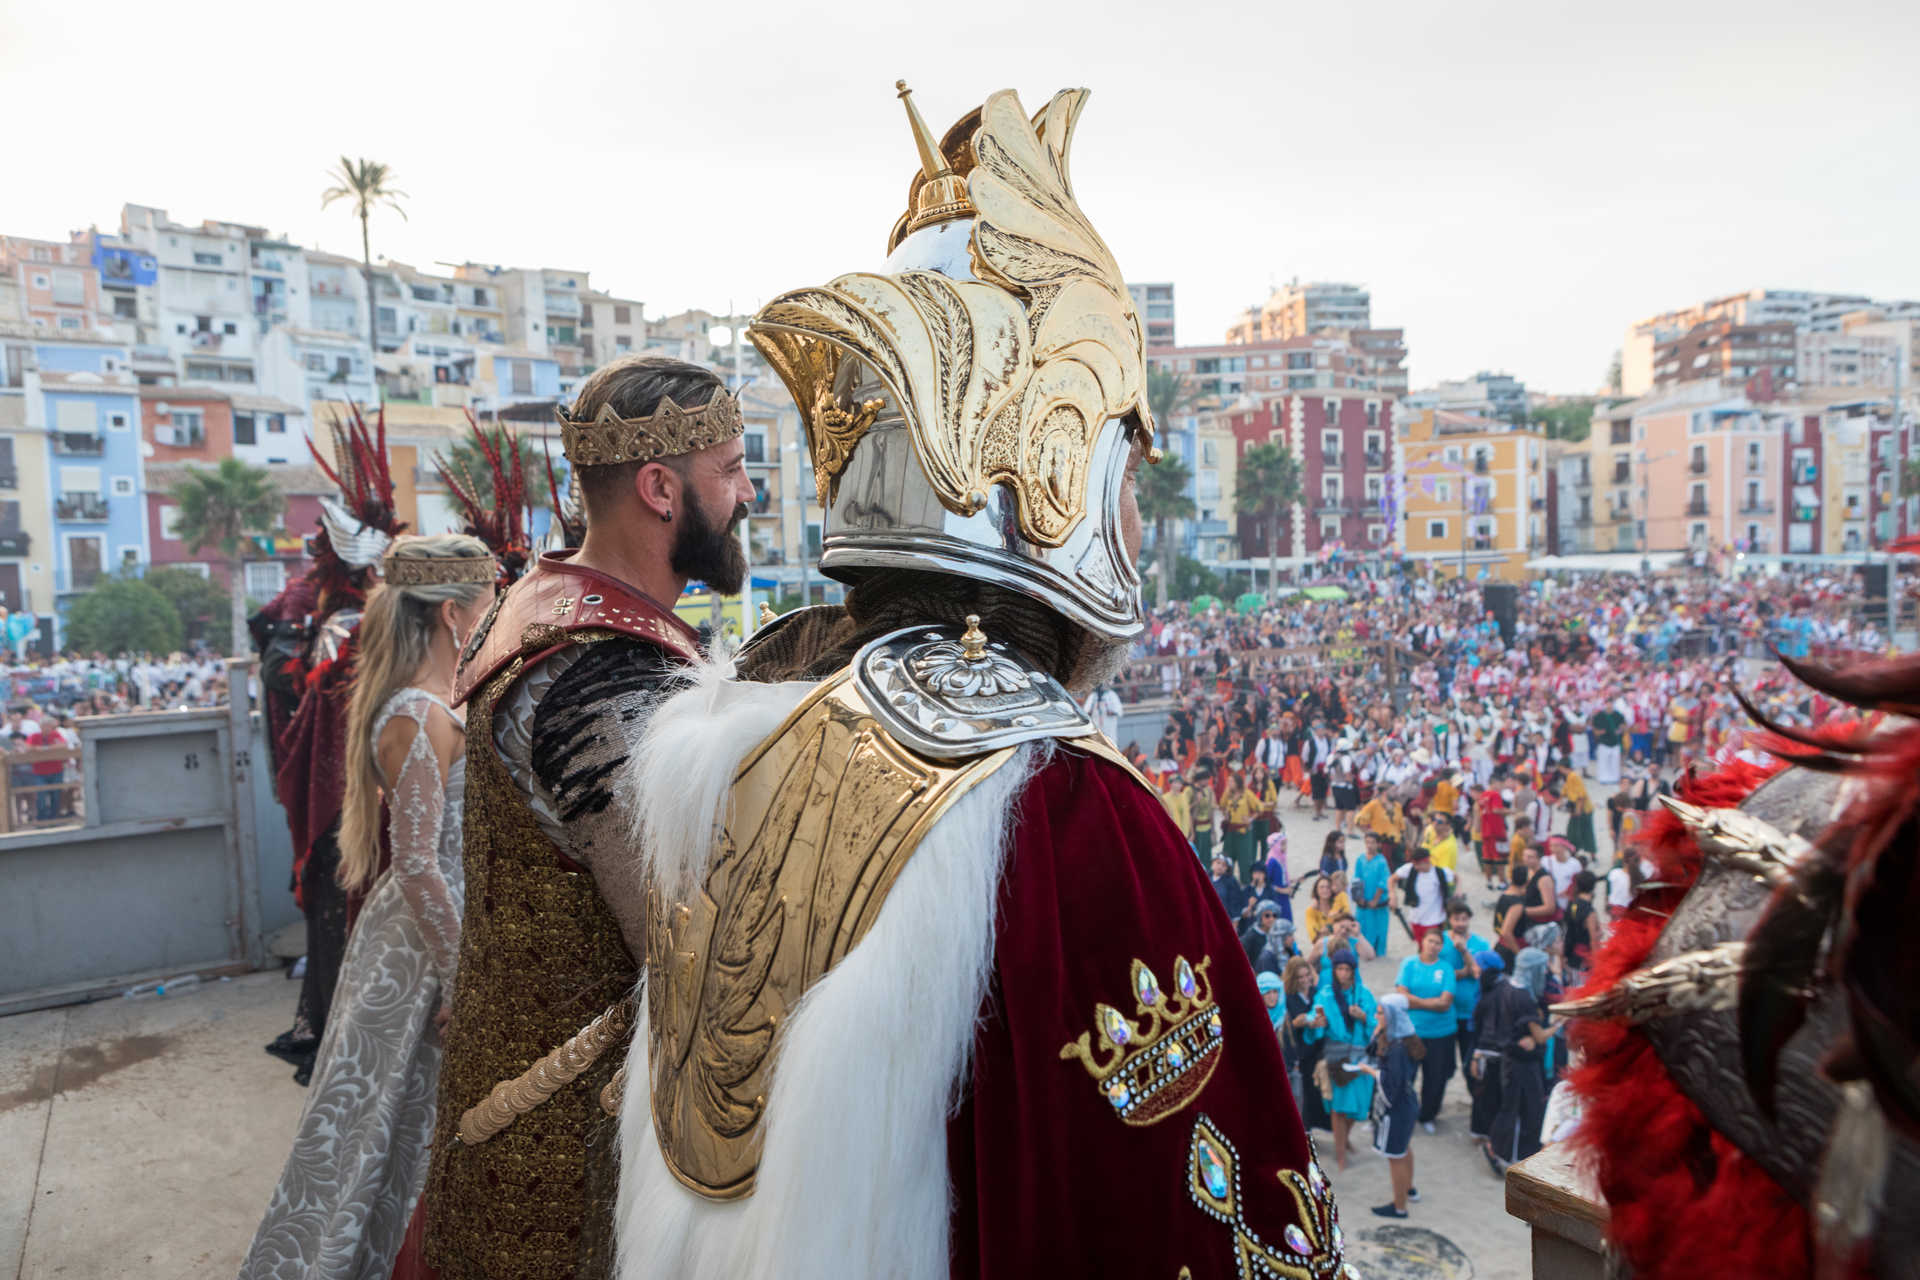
(416, 807)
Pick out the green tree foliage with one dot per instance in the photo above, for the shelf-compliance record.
(123, 615)
(196, 598)
(464, 459)
(1191, 579)
(366, 183)
(1163, 490)
(1570, 421)
(221, 507)
(1268, 485)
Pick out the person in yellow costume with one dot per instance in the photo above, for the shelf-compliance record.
(1439, 841)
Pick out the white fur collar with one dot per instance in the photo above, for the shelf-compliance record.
(853, 1173)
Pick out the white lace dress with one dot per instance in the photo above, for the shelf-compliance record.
(360, 1158)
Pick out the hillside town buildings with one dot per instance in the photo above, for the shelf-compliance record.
(1771, 426)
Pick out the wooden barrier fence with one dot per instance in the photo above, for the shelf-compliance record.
(31, 800)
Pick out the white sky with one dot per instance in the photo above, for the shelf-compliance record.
(1516, 182)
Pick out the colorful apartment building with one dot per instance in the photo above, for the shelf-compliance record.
(91, 415)
(1475, 493)
(1347, 447)
(1704, 468)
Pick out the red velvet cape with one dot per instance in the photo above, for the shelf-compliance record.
(309, 775)
(1047, 1177)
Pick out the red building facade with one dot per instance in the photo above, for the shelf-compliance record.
(1345, 442)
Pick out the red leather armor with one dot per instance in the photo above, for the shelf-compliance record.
(537, 614)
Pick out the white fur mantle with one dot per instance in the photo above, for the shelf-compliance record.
(853, 1173)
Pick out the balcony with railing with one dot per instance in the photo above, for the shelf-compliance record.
(1622, 472)
(1481, 542)
(81, 507)
(1330, 461)
(1696, 466)
(1756, 465)
(79, 444)
(1620, 515)
(1376, 461)
(1697, 507)
(16, 543)
(1329, 504)
(1756, 507)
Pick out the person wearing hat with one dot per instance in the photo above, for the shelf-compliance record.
(1349, 1009)
(1200, 831)
(1268, 941)
(1393, 1132)
(1482, 1060)
(1178, 802)
(1233, 894)
(1516, 1027)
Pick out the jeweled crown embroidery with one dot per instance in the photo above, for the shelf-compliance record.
(1150, 1068)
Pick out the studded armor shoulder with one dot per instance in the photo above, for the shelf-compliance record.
(949, 694)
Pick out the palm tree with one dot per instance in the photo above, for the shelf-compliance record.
(366, 183)
(220, 508)
(1165, 489)
(1163, 495)
(1268, 484)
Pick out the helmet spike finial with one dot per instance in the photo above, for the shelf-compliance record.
(932, 163)
(939, 194)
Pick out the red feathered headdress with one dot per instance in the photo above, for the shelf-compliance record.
(358, 527)
(500, 522)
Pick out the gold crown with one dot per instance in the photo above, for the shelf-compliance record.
(608, 438)
(425, 571)
(1149, 1069)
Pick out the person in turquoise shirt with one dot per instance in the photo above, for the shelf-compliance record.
(1427, 983)
(1462, 944)
(1350, 1010)
(1369, 890)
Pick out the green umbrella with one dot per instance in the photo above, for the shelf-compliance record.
(1248, 603)
(1203, 603)
(1325, 593)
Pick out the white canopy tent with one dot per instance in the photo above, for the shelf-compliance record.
(1609, 562)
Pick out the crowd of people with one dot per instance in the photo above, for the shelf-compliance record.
(1463, 810)
(97, 685)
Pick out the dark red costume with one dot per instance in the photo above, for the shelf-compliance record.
(1051, 1167)
(306, 639)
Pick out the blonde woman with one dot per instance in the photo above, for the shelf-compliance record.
(360, 1156)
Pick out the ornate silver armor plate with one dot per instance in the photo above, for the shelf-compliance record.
(949, 694)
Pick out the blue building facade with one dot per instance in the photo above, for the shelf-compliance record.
(94, 472)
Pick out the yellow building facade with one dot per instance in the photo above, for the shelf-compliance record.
(1473, 494)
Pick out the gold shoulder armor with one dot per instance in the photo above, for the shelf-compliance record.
(822, 819)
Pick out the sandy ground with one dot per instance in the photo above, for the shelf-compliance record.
(142, 1138)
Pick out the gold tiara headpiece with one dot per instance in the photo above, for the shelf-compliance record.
(608, 438)
(428, 571)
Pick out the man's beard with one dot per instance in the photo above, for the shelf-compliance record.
(708, 552)
(1099, 661)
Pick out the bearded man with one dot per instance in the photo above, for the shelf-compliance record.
(557, 681)
(934, 985)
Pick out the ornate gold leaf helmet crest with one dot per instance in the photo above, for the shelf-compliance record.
(1006, 378)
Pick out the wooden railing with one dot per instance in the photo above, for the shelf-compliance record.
(32, 801)
(1146, 679)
